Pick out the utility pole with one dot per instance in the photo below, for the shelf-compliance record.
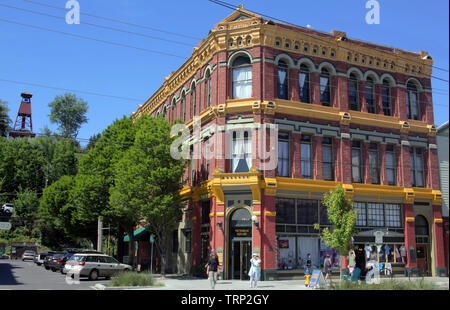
(99, 233)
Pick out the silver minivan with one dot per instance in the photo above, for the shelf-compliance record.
(93, 266)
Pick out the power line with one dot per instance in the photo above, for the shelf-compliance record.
(98, 26)
(117, 21)
(71, 90)
(230, 6)
(92, 39)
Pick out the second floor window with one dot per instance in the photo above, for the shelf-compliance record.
(390, 165)
(183, 102)
(208, 86)
(242, 78)
(283, 154)
(303, 80)
(412, 101)
(353, 97)
(242, 151)
(370, 96)
(325, 88)
(306, 157)
(374, 163)
(356, 162)
(417, 169)
(327, 158)
(386, 98)
(194, 100)
(282, 80)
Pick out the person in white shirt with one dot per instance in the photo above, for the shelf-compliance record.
(255, 271)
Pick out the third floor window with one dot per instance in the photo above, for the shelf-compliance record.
(242, 77)
(282, 80)
(303, 80)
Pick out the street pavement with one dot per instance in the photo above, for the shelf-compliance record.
(19, 275)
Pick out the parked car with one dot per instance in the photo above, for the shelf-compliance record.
(39, 260)
(53, 263)
(93, 266)
(7, 209)
(62, 262)
(28, 255)
(4, 256)
(48, 259)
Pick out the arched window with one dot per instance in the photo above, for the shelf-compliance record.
(194, 99)
(183, 102)
(282, 80)
(412, 101)
(325, 87)
(242, 77)
(370, 96)
(421, 226)
(164, 111)
(353, 97)
(303, 80)
(208, 86)
(386, 97)
(174, 107)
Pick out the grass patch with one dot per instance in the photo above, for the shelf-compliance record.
(386, 285)
(131, 278)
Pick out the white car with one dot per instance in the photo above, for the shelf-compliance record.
(28, 255)
(93, 266)
(7, 209)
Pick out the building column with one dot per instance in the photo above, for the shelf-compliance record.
(268, 237)
(362, 96)
(379, 99)
(294, 88)
(438, 234)
(366, 162)
(342, 93)
(400, 103)
(217, 235)
(410, 239)
(196, 230)
(345, 154)
(315, 87)
(426, 107)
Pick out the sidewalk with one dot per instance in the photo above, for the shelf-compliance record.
(173, 282)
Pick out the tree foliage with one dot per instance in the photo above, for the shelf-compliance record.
(342, 218)
(4, 119)
(148, 180)
(69, 112)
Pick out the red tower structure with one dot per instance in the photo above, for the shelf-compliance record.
(23, 127)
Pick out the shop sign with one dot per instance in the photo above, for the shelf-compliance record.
(284, 244)
(242, 232)
(317, 278)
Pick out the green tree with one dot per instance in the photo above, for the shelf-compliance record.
(69, 112)
(96, 175)
(147, 182)
(4, 119)
(26, 207)
(342, 218)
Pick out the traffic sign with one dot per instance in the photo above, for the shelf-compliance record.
(5, 225)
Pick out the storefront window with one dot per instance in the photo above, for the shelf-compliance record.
(375, 215)
(307, 212)
(285, 208)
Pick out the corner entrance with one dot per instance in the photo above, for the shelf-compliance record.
(240, 244)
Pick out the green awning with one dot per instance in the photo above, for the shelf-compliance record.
(140, 234)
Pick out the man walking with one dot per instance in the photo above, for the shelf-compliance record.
(212, 269)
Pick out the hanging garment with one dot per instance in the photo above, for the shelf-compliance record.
(397, 253)
(368, 250)
(387, 249)
(403, 251)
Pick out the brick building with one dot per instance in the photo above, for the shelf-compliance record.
(287, 113)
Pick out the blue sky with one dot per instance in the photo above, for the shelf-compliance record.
(52, 59)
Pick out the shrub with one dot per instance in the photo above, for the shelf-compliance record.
(386, 285)
(131, 278)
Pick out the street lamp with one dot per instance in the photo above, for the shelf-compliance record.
(255, 221)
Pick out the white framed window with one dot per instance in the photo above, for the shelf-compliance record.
(242, 78)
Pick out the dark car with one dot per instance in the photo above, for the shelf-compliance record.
(54, 262)
(49, 259)
(60, 263)
(39, 260)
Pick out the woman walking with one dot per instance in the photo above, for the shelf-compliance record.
(254, 272)
(327, 267)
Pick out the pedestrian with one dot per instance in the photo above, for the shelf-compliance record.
(308, 261)
(327, 266)
(254, 272)
(351, 261)
(212, 269)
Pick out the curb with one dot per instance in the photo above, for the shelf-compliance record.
(102, 287)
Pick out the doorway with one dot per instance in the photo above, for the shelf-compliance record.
(422, 244)
(240, 244)
(240, 259)
(422, 261)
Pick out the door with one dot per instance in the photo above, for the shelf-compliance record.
(422, 263)
(240, 259)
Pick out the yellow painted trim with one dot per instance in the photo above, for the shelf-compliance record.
(438, 220)
(211, 215)
(271, 213)
(410, 219)
(220, 213)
